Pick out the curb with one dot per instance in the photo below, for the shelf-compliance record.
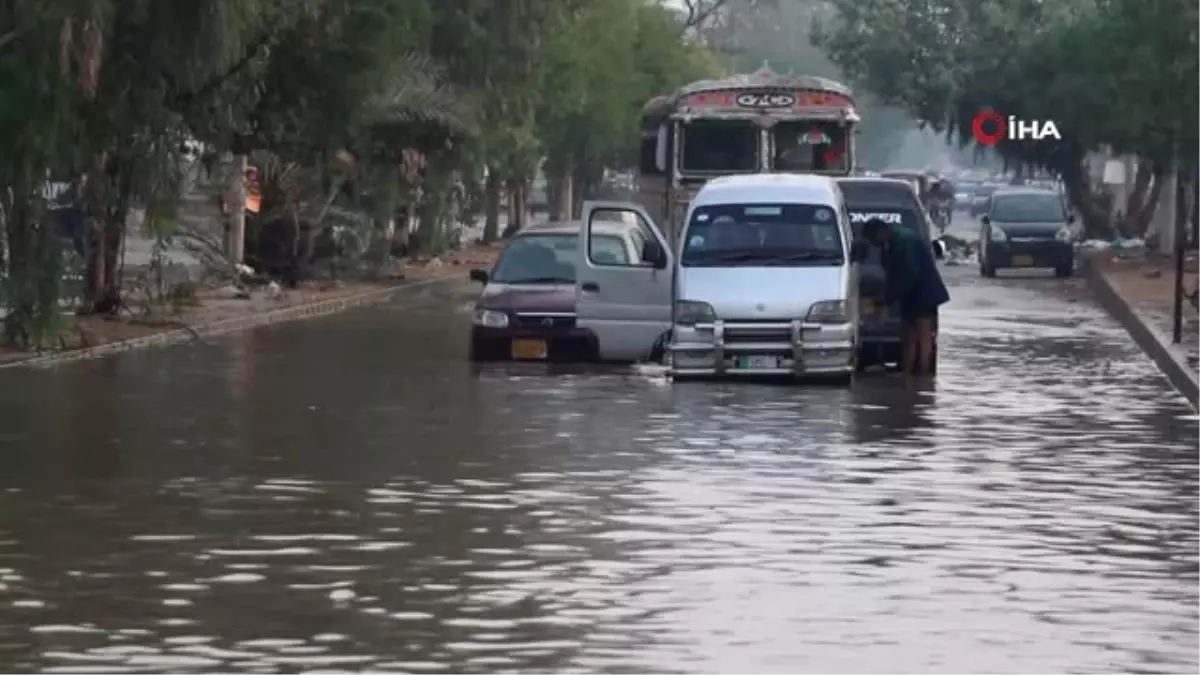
(230, 325)
(1157, 345)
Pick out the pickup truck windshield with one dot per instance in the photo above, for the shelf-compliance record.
(757, 235)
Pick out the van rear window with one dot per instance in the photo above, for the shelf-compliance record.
(906, 218)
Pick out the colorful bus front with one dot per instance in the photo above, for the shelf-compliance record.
(746, 124)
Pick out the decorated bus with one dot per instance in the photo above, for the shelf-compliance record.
(757, 123)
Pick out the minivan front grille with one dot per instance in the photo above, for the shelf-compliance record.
(757, 331)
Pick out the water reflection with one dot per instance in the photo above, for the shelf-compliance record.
(893, 410)
(318, 496)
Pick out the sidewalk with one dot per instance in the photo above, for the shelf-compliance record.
(1145, 285)
(214, 312)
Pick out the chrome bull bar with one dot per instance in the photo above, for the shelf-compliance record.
(798, 347)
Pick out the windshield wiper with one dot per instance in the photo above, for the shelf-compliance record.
(759, 258)
(537, 280)
(805, 255)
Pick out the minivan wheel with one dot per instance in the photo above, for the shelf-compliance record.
(658, 353)
(844, 380)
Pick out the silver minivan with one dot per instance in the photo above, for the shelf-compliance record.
(761, 282)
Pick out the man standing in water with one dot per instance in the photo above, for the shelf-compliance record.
(914, 283)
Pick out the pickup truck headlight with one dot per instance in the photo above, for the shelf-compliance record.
(997, 234)
(490, 318)
(691, 312)
(827, 311)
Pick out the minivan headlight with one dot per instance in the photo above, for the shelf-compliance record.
(827, 311)
(997, 234)
(490, 318)
(1065, 234)
(692, 312)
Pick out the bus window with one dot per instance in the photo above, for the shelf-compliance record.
(719, 146)
(648, 161)
(810, 145)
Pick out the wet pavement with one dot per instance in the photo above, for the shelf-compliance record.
(346, 494)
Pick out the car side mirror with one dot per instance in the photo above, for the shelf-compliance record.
(479, 275)
(939, 249)
(859, 250)
(654, 255)
(985, 220)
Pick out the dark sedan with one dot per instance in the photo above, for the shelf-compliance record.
(1027, 228)
(526, 311)
(979, 199)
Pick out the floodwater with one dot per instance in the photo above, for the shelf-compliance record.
(345, 494)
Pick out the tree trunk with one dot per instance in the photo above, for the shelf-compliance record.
(94, 273)
(1092, 210)
(491, 208)
(516, 209)
(519, 192)
(1195, 209)
(1140, 207)
(1187, 197)
(562, 202)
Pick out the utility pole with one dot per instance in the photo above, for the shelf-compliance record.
(1179, 237)
(235, 244)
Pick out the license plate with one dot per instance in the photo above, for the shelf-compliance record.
(757, 362)
(1022, 261)
(529, 350)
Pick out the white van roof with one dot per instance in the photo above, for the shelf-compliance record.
(769, 188)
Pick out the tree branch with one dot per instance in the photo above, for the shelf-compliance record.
(699, 12)
(184, 99)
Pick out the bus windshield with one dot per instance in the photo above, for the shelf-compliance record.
(719, 146)
(810, 145)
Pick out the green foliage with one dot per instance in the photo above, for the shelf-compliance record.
(600, 64)
(113, 89)
(1118, 73)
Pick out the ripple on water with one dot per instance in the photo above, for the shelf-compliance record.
(1034, 511)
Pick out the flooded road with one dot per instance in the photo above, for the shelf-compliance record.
(345, 494)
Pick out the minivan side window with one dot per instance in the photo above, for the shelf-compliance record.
(607, 245)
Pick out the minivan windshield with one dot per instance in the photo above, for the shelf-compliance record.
(1028, 208)
(755, 235)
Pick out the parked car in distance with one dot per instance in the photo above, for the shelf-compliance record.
(979, 200)
(526, 311)
(1027, 228)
